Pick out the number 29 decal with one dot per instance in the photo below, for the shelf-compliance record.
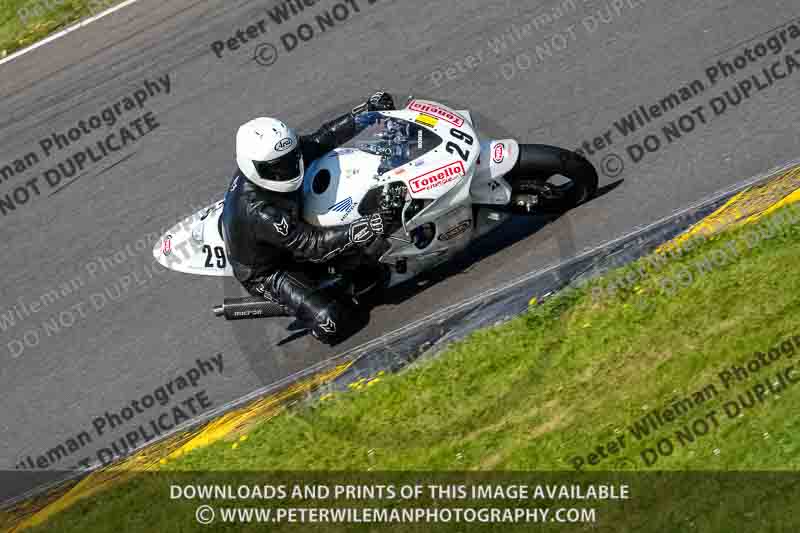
(218, 253)
(452, 147)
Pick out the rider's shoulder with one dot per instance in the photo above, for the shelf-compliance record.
(237, 181)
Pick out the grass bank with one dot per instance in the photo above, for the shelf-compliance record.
(23, 22)
(570, 384)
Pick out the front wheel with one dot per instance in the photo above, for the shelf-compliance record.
(550, 179)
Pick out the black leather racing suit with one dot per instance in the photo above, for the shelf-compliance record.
(272, 249)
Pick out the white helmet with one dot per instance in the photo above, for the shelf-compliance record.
(268, 154)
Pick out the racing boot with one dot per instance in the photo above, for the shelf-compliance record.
(320, 308)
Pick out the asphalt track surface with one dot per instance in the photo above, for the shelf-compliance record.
(604, 60)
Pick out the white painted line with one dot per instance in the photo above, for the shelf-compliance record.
(66, 31)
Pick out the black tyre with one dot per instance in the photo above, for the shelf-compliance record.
(538, 184)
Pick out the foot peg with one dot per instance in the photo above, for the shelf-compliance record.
(524, 203)
(251, 307)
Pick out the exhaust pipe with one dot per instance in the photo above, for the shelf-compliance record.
(249, 307)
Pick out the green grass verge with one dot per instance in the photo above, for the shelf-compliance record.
(571, 375)
(23, 22)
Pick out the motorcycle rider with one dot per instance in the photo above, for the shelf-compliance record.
(270, 247)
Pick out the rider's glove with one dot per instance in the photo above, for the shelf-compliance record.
(361, 232)
(380, 101)
(364, 230)
(378, 223)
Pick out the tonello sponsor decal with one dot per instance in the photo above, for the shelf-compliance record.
(438, 177)
(438, 112)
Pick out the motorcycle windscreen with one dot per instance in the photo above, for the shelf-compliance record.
(396, 141)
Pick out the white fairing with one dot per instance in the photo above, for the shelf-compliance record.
(446, 169)
(497, 159)
(194, 245)
(335, 184)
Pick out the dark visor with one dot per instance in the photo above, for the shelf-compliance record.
(285, 168)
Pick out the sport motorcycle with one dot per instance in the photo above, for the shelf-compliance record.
(442, 183)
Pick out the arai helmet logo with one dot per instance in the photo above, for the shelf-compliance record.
(499, 153)
(284, 144)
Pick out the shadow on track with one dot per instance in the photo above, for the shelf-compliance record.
(519, 228)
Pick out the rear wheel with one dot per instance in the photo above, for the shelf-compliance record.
(550, 179)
